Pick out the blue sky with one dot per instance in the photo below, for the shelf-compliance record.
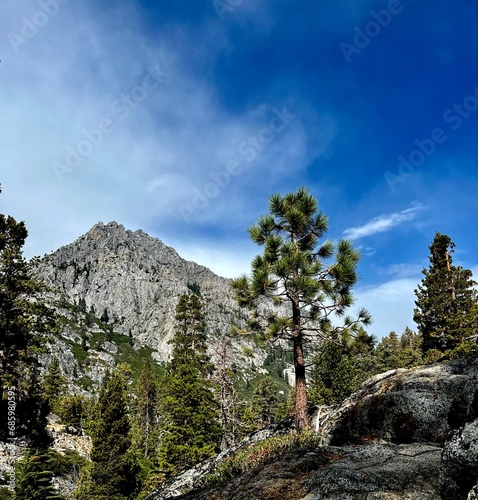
(181, 118)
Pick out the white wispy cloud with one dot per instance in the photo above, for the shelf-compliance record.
(390, 303)
(383, 223)
(366, 250)
(166, 145)
(404, 270)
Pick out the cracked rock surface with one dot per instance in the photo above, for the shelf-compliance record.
(459, 467)
(368, 472)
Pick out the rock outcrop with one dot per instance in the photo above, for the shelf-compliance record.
(63, 442)
(420, 405)
(137, 279)
(459, 467)
(378, 471)
(406, 434)
(473, 494)
(386, 471)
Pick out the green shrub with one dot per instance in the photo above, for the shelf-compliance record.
(72, 410)
(261, 453)
(6, 494)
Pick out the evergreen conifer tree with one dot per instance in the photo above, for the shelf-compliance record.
(399, 352)
(227, 395)
(340, 367)
(25, 321)
(332, 376)
(266, 404)
(54, 382)
(104, 316)
(113, 471)
(82, 305)
(411, 349)
(411, 339)
(447, 303)
(145, 427)
(190, 431)
(146, 414)
(362, 350)
(73, 409)
(33, 479)
(294, 272)
(388, 352)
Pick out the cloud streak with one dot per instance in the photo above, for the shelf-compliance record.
(391, 305)
(383, 223)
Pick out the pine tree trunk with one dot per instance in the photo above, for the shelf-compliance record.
(301, 417)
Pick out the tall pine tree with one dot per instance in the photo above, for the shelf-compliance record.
(388, 352)
(54, 382)
(113, 471)
(411, 348)
(191, 431)
(340, 367)
(25, 321)
(447, 303)
(399, 352)
(266, 405)
(145, 427)
(146, 412)
(308, 281)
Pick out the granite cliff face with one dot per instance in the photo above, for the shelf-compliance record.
(138, 280)
(133, 282)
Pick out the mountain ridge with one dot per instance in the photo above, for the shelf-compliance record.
(106, 265)
(114, 280)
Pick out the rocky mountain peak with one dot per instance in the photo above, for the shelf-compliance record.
(102, 230)
(135, 281)
(133, 276)
(113, 235)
